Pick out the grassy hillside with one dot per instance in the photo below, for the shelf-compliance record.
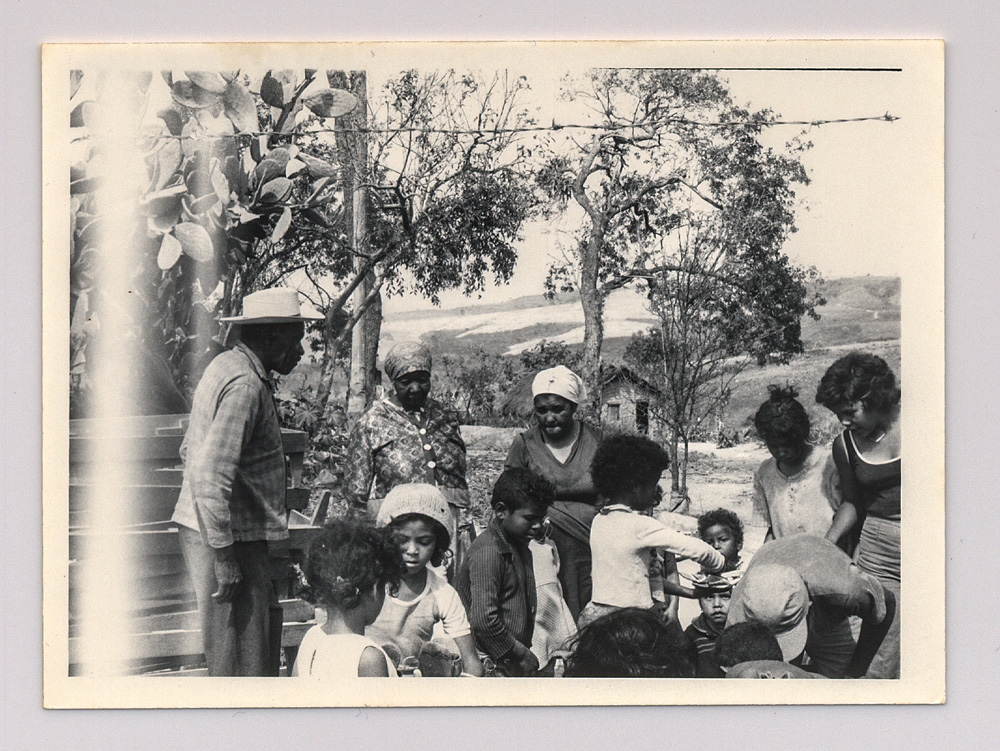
(861, 313)
(858, 309)
(804, 372)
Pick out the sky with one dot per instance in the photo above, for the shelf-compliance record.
(849, 217)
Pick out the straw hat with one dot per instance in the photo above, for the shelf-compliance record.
(275, 305)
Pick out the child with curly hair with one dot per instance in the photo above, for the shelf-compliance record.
(628, 643)
(348, 567)
(418, 518)
(723, 530)
(797, 490)
(626, 472)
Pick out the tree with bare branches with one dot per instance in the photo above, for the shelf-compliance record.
(652, 169)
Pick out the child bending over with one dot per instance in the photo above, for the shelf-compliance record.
(626, 471)
(497, 582)
(348, 567)
(797, 490)
(417, 517)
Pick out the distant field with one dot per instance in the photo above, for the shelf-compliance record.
(861, 313)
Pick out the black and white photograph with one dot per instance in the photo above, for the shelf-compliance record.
(536, 367)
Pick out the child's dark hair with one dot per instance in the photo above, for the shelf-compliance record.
(629, 643)
(348, 559)
(782, 417)
(517, 487)
(623, 462)
(858, 377)
(744, 642)
(724, 518)
(442, 554)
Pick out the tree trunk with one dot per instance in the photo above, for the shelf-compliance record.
(675, 469)
(592, 300)
(684, 469)
(352, 148)
(328, 368)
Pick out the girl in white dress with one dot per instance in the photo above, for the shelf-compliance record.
(347, 570)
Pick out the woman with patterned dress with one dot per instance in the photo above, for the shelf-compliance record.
(407, 437)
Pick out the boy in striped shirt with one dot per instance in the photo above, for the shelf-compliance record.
(496, 581)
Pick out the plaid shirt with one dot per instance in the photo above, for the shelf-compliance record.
(497, 586)
(386, 448)
(234, 463)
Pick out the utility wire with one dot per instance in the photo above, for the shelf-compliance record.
(554, 127)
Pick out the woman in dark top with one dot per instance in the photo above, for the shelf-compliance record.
(861, 390)
(560, 449)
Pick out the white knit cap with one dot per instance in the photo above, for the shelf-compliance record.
(560, 381)
(416, 498)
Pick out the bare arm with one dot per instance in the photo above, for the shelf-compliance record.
(470, 656)
(372, 664)
(846, 515)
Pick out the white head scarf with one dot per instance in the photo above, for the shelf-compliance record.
(560, 381)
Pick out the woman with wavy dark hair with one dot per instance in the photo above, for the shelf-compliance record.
(861, 390)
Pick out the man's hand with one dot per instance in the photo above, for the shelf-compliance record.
(227, 574)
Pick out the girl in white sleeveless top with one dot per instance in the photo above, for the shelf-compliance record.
(347, 569)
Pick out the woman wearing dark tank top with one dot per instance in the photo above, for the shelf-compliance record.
(861, 390)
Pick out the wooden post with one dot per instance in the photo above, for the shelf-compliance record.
(353, 149)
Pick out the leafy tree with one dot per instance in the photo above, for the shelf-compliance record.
(443, 182)
(650, 168)
(548, 354)
(718, 312)
(474, 383)
(223, 185)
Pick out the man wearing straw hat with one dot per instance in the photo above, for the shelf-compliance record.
(232, 500)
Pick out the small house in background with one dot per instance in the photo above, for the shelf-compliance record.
(626, 403)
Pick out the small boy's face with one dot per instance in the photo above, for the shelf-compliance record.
(722, 539)
(715, 606)
(523, 524)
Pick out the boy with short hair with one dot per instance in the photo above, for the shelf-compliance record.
(496, 581)
(713, 593)
(749, 641)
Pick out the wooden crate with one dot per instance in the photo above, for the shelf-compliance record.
(161, 613)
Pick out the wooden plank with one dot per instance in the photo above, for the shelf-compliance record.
(136, 425)
(141, 448)
(162, 539)
(182, 642)
(294, 441)
(293, 611)
(296, 498)
(143, 585)
(145, 503)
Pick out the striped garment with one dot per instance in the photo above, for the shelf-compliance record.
(234, 463)
(497, 587)
(700, 637)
